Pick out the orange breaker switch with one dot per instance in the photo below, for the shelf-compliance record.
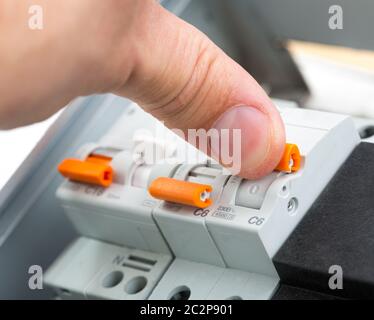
(291, 159)
(183, 192)
(94, 170)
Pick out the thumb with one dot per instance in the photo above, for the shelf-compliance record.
(184, 79)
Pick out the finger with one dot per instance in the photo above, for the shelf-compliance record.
(182, 78)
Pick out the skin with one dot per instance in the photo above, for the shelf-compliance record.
(138, 50)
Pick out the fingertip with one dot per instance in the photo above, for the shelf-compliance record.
(261, 141)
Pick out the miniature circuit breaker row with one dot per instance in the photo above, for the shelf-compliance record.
(182, 230)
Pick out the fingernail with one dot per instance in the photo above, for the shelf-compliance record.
(253, 132)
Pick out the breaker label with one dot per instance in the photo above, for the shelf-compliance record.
(224, 213)
(255, 220)
(113, 196)
(201, 213)
(74, 186)
(94, 191)
(171, 206)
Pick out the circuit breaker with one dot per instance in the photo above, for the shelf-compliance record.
(144, 237)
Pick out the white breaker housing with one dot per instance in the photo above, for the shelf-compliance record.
(138, 247)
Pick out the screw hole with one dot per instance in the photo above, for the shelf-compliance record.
(180, 293)
(136, 285)
(107, 175)
(112, 279)
(234, 298)
(292, 206)
(367, 132)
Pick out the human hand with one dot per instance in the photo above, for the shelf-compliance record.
(138, 50)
